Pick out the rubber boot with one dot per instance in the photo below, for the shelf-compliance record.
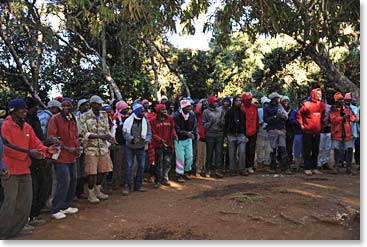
(336, 161)
(349, 160)
(273, 164)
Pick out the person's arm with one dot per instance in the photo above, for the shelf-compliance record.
(300, 117)
(127, 136)
(148, 138)
(268, 117)
(2, 164)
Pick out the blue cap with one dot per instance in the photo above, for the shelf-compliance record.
(17, 104)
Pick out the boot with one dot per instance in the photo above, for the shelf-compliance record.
(349, 160)
(99, 193)
(92, 198)
(297, 163)
(336, 161)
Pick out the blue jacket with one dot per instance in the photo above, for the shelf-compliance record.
(294, 123)
(2, 164)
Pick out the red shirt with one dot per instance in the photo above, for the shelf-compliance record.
(18, 162)
(252, 119)
(199, 115)
(162, 130)
(67, 130)
(337, 123)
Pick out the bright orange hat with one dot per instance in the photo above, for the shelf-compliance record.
(338, 96)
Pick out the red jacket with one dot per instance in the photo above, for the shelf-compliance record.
(162, 130)
(252, 119)
(18, 162)
(67, 130)
(336, 125)
(199, 116)
(311, 115)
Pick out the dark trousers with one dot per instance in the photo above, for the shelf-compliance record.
(357, 151)
(66, 186)
(250, 151)
(214, 145)
(42, 184)
(310, 152)
(289, 144)
(140, 155)
(81, 176)
(17, 203)
(195, 153)
(163, 157)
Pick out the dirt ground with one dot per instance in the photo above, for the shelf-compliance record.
(257, 207)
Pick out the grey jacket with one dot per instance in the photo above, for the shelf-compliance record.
(213, 122)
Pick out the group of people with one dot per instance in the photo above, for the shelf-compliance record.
(211, 137)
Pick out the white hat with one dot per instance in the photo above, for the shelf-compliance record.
(264, 99)
(81, 102)
(274, 95)
(96, 99)
(53, 103)
(285, 98)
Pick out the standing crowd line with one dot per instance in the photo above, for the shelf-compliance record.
(51, 156)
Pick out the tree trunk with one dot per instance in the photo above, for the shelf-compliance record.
(321, 57)
(106, 69)
(154, 67)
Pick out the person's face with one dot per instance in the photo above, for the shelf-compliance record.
(225, 104)
(163, 112)
(204, 105)
(285, 103)
(146, 105)
(95, 106)
(84, 107)
(265, 104)
(237, 102)
(54, 109)
(214, 104)
(172, 107)
(124, 111)
(141, 114)
(347, 101)
(186, 109)
(248, 102)
(109, 111)
(33, 111)
(66, 107)
(276, 100)
(318, 95)
(21, 113)
(163, 101)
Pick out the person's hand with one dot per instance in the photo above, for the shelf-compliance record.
(175, 138)
(113, 141)
(225, 140)
(163, 142)
(54, 148)
(197, 136)
(346, 116)
(146, 146)
(246, 139)
(190, 135)
(5, 173)
(106, 137)
(37, 154)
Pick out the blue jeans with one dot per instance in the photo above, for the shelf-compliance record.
(140, 157)
(66, 175)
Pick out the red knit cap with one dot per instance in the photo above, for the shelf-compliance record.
(159, 107)
(211, 100)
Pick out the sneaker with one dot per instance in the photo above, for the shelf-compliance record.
(232, 173)
(271, 171)
(317, 172)
(99, 193)
(28, 227)
(207, 175)
(219, 175)
(59, 215)
(141, 189)
(288, 172)
(92, 198)
(37, 221)
(180, 179)
(187, 176)
(125, 191)
(251, 170)
(70, 210)
(156, 185)
(165, 183)
(308, 172)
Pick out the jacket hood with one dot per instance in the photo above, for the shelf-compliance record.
(246, 96)
(313, 93)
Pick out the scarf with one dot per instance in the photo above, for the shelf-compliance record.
(130, 121)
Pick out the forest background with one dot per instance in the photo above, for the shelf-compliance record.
(120, 48)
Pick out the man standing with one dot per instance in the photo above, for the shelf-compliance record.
(310, 117)
(263, 148)
(235, 136)
(275, 116)
(213, 123)
(163, 135)
(95, 130)
(187, 130)
(252, 126)
(64, 126)
(288, 128)
(201, 142)
(17, 186)
(341, 132)
(137, 133)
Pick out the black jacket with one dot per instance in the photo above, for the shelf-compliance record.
(275, 116)
(232, 125)
(184, 127)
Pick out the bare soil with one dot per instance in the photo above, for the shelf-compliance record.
(260, 206)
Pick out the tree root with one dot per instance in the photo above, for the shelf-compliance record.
(259, 218)
(291, 219)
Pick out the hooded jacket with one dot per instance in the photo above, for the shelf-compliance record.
(341, 129)
(311, 114)
(213, 121)
(199, 114)
(252, 116)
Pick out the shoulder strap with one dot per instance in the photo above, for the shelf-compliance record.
(8, 144)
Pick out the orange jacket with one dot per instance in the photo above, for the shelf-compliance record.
(252, 119)
(337, 124)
